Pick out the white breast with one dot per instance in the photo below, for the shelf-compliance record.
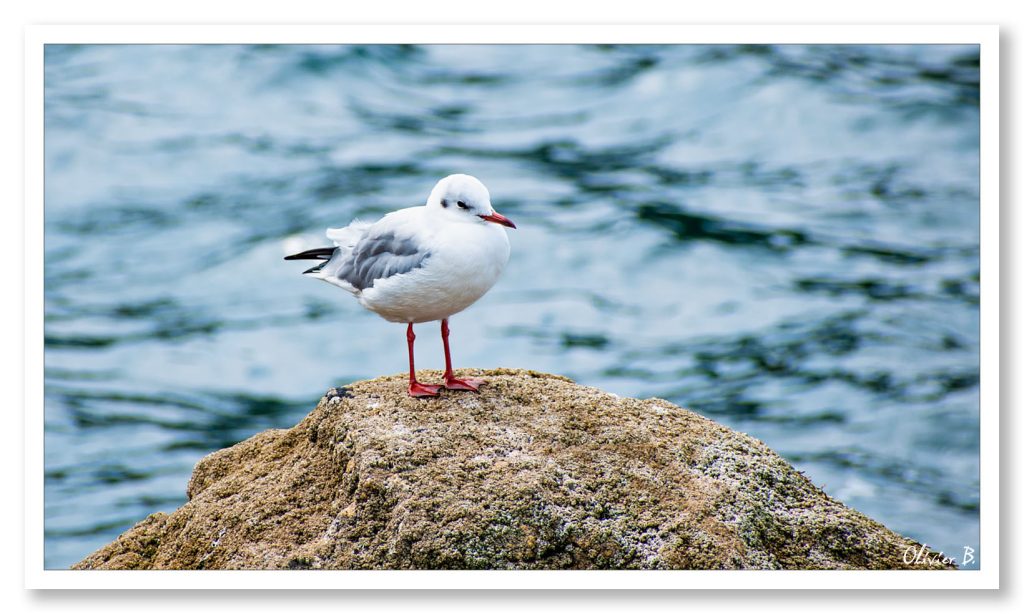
(465, 262)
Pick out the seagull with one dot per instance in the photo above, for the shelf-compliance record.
(421, 264)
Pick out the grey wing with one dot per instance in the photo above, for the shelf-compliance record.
(379, 256)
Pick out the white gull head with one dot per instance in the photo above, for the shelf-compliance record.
(464, 198)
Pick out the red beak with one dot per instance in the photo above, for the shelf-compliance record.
(498, 218)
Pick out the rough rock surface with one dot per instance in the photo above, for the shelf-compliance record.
(534, 472)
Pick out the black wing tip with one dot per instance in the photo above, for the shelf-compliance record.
(320, 253)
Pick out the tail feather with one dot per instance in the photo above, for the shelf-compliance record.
(348, 236)
(345, 240)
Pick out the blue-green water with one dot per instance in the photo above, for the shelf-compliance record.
(784, 239)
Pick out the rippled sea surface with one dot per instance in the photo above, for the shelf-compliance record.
(784, 239)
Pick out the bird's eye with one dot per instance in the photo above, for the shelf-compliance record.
(463, 205)
(444, 203)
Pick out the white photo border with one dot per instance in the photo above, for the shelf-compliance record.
(986, 36)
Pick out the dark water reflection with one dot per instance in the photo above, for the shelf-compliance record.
(784, 238)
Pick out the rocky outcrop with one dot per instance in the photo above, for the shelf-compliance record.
(534, 472)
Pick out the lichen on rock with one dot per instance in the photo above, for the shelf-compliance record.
(535, 472)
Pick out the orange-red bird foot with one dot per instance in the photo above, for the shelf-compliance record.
(418, 390)
(470, 383)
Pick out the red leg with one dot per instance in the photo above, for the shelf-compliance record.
(450, 381)
(417, 389)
